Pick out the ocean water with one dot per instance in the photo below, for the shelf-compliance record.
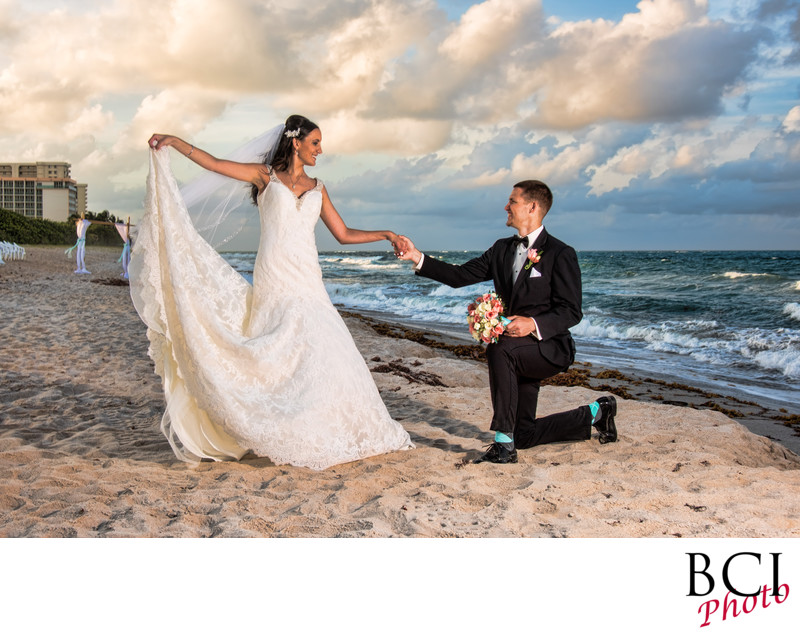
(724, 321)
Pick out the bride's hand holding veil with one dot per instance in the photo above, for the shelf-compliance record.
(247, 172)
(158, 141)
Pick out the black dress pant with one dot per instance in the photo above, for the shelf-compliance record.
(516, 369)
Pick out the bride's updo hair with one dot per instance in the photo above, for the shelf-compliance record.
(282, 157)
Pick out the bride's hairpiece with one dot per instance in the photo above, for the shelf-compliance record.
(292, 133)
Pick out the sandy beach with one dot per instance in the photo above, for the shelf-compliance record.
(81, 454)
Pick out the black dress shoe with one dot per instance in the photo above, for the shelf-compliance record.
(498, 454)
(606, 425)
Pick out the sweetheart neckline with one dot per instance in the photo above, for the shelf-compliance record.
(273, 176)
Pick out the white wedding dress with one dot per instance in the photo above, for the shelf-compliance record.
(269, 368)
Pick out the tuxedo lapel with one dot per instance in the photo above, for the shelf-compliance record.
(538, 244)
(505, 270)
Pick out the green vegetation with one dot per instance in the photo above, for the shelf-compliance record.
(23, 230)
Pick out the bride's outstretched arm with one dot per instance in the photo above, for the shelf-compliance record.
(249, 172)
(347, 235)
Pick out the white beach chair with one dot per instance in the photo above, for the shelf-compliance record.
(11, 251)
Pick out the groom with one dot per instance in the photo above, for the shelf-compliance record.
(538, 278)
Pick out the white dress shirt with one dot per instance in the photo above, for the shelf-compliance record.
(520, 257)
(521, 254)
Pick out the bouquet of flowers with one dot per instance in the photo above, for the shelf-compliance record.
(485, 318)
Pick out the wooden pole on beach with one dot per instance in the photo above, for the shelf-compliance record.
(102, 222)
(93, 222)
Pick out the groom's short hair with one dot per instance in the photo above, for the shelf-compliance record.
(536, 191)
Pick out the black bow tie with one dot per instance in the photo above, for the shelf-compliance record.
(520, 239)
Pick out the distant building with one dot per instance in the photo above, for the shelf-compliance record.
(41, 190)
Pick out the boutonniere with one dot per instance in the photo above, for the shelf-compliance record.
(534, 256)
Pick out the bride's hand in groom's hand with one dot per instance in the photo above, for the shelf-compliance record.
(405, 250)
(400, 245)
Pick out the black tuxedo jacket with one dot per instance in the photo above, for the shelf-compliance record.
(553, 299)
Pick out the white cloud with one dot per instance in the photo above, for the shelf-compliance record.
(497, 177)
(345, 51)
(559, 168)
(791, 123)
(486, 29)
(502, 61)
(182, 111)
(348, 133)
(666, 62)
(90, 121)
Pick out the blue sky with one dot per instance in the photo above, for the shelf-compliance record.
(662, 124)
(564, 10)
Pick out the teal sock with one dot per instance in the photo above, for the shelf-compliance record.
(594, 407)
(506, 440)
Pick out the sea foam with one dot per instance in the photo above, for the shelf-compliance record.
(735, 275)
(785, 361)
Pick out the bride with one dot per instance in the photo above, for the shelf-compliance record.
(269, 368)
